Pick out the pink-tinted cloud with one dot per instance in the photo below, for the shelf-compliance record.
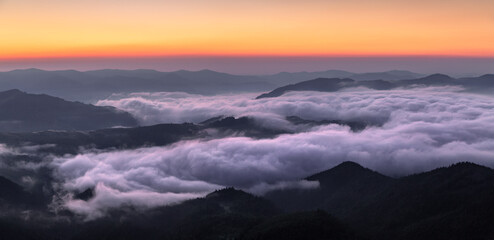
(421, 129)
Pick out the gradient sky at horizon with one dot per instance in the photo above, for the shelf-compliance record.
(70, 29)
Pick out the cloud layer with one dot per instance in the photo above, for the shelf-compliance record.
(420, 129)
(350, 104)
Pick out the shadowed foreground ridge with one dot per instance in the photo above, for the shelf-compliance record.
(352, 202)
(447, 203)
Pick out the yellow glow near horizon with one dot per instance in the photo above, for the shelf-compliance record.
(70, 28)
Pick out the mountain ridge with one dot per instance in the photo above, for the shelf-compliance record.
(478, 84)
(90, 86)
(24, 112)
(411, 207)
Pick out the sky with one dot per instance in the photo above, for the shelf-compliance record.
(34, 33)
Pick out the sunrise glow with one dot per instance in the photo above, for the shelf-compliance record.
(55, 28)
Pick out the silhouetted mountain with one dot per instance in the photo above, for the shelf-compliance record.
(223, 214)
(23, 112)
(11, 192)
(446, 203)
(347, 173)
(341, 189)
(316, 225)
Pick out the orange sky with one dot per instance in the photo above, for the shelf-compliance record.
(70, 28)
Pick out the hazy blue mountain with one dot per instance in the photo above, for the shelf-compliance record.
(284, 78)
(23, 112)
(329, 85)
(202, 82)
(394, 75)
(94, 85)
(483, 83)
(319, 84)
(431, 80)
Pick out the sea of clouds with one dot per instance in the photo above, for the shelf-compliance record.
(410, 131)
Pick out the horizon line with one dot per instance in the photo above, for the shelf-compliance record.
(250, 56)
(206, 69)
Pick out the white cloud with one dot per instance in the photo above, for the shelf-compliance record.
(107, 198)
(421, 129)
(4, 149)
(262, 188)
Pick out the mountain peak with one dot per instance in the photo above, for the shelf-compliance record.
(206, 71)
(469, 167)
(462, 166)
(27, 70)
(12, 92)
(346, 167)
(456, 173)
(349, 164)
(318, 84)
(438, 76)
(346, 172)
(490, 76)
(227, 193)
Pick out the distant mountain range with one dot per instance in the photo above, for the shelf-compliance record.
(94, 85)
(23, 112)
(483, 83)
(352, 202)
(293, 77)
